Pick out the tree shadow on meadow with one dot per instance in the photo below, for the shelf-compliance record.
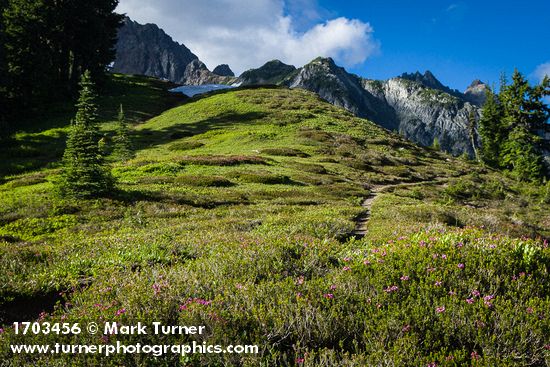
(145, 138)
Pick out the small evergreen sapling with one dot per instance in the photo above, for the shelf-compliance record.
(122, 150)
(84, 173)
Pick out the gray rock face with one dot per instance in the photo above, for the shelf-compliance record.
(475, 93)
(147, 50)
(223, 70)
(424, 114)
(196, 73)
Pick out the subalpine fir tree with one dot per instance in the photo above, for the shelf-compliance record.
(84, 173)
(122, 144)
(510, 126)
(490, 129)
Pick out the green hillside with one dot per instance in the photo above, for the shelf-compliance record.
(239, 212)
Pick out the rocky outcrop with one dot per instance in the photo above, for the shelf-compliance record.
(424, 114)
(145, 49)
(196, 73)
(223, 70)
(475, 93)
(272, 72)
(341, 88)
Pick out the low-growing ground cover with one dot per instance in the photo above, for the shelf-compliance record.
(237, 213)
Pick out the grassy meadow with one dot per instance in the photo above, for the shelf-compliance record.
(238, 213)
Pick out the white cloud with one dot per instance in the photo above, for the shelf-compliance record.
(247, 33)
(542, 70)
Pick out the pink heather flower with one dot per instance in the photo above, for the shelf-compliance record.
(522, 274)
(434, 256)
(438, 283)
(440, 309)
(475, 293)
(239, 286)
(422, 243)
(488, 304)
(474, 355)
(366, 262)
(404, 278)
(470, 300)
(299, 294)
(120, 312)
(375, 250)
(460, 266)
(1, 330)
(333, 287)
(547, 347)
(384, 253)
(347, 259)
(406, 328)
(401, 238)
(300, 360)
(380, 261)
(449, 358)
(391, 289)
(300, 280)
(433, 364)
(459, 245)
(489, 297)
(328, 295)
(452, 293)
(443, 256)
(529, 310)
(156, 288)
(346, 268)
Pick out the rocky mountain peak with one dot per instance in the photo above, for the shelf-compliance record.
(475, 93)
(223, 70)
(427, 79)
(272, 72)
(148, 50)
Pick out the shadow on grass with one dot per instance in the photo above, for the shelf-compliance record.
(179, 198)
(145, 138)
(31, 152)
(28, 307)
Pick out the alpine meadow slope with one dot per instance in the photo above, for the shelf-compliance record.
(238, 213)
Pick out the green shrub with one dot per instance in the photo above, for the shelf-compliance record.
(461, 189)
(185, 145)
(222, 160)
(285, 152)
(203, 181)
(262, 178)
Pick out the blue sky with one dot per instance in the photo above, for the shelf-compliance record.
(457, 40)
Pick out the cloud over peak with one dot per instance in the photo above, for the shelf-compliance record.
(247, 33)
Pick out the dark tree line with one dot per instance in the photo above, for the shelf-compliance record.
(46, 45)
(511, 124)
